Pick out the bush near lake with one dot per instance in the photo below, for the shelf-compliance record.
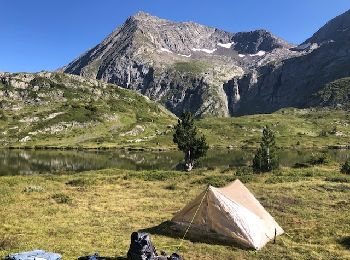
(346, 167)
(320, 158)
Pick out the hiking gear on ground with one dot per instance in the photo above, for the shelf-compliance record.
(141, 247)
(34, 255)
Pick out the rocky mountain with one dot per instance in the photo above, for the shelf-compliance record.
(68, 111)
(298, 81)
(185, 66)
(188, 66)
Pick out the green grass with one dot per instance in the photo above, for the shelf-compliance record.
(79, 214)
(96, 115)
(193, 67)
(74, 113)
(293, 128)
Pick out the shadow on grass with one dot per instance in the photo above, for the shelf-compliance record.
(103, 258)
(171, 229)
(345, 242)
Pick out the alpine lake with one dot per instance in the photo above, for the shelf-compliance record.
(26, 162)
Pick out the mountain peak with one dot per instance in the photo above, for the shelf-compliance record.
(337, 29)
(258, 40)
(157, 57)
(141, 15)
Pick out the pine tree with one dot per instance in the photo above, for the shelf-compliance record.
(187, 140)
(266, 158)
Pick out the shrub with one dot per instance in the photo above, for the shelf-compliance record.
(62, 198)
(282, 179)
(323, 133)
(320, 158)
(301, 165)
(81, 182)
(171, 186)
(2, 115)
(338, 179)
(244, 171)
(346, 167)
(215, 181)
(157, 175)
(7, 243)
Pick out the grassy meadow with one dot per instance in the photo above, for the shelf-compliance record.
(294, 128)
(80, 214)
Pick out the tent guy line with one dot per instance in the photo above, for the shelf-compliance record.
(194, 216)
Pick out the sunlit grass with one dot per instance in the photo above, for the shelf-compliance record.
(94, 211)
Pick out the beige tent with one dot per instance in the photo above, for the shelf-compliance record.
(231, 212)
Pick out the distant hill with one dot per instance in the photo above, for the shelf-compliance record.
(54, 109)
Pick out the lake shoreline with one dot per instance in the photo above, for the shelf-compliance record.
(166, 149)
(29, 161)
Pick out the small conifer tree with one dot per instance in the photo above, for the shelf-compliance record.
(266, 158)
(187, 140)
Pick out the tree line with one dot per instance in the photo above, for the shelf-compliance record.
(194, 146)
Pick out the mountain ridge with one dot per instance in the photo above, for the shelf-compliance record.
(205, 70)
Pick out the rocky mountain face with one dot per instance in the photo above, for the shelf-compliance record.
(185, 66)
(297, 81)
(188, 66)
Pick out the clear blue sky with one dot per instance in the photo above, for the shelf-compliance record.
(47, 34)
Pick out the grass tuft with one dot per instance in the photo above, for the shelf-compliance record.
(81, 182)
(62, 198)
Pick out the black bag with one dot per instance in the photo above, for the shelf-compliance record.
(141, 247)
(175, 256)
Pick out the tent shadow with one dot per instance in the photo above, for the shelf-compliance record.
(104, 258)
(170, 229)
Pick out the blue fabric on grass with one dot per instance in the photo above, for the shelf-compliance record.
(34, 255)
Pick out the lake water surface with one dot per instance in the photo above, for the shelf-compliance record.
(15, 162)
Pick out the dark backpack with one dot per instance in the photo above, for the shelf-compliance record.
(175, 256)
(141, 247)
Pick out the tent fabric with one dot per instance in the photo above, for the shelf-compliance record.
(232, 212)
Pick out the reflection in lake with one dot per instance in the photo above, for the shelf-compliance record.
(13, 162)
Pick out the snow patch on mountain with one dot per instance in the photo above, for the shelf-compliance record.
(205, 50)
(183, 55)
(165, 50)
(260, 53)
(241, 55)
(226, 45)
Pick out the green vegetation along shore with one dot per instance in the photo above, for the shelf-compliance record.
(96, 211)
(55, 110)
